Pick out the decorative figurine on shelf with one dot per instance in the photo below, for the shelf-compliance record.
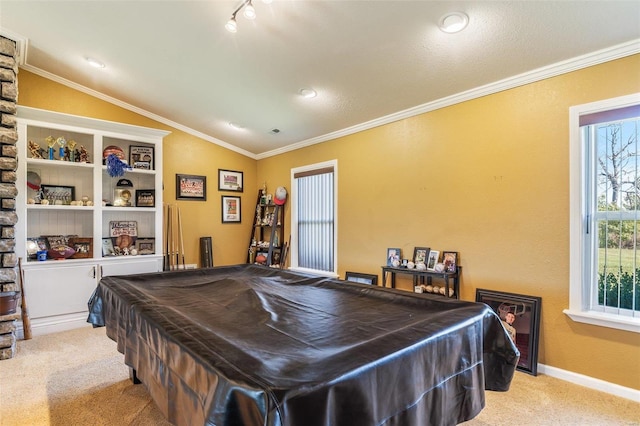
(67, 154)
(84, 155)
(72, 150)
(35, 150)
(76, 155)
(263, 197)
(115, 166)
(51, 143)
(63, 143)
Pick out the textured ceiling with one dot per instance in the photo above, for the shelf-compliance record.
(366, 59)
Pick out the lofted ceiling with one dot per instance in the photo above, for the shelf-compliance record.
(370, 62)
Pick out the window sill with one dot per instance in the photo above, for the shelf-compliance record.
(605, 320)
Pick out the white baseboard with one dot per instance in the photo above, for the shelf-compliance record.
(48, 325)
(590, 382)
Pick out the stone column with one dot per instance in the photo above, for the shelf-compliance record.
(8, 190)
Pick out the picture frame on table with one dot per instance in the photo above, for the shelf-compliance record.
(361, 278)
(145, 197)
(231, 209)
(83, 247)
(107, 248)
(450, 261)
(393, 254)
(141, 157)
(191, 187)
(432, 259)
(420, 254)
(58, 194)
(520, 314)
(230, 180)
(146, 246)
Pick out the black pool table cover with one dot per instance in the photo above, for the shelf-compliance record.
(252, 345)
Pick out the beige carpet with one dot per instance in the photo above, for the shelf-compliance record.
(78, 378)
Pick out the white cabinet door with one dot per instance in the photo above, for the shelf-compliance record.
(140, 265)
(59, 290)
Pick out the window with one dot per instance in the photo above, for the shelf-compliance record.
(313, 218)
(605, 213)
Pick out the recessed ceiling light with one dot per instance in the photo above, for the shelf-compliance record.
(235, 126)
(95, 63)
(454, 22)
(308, 93)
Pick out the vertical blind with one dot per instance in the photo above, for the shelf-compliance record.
(315, 204)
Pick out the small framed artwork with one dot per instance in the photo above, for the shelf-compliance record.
(229, 180)
(141, 157)
(146, 245)
(432, 259)
(520, 316)
(83, 247)
(55, 241)
(191, 187)
(231, 209)
(420, 254)
(393, 257)
(107, 247)
(361, 278)
(145, 197)
(58, 194)
(450, 260)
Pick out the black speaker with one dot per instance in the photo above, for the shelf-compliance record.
(206, 252)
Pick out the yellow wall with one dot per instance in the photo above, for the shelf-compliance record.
(183, 153)
(488, 178)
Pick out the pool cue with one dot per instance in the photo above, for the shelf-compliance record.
(168, 239)
(26, 321)
(181, 237)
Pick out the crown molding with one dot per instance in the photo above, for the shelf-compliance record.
(574, 64)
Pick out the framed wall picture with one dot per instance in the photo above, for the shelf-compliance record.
(393, 255)
(432, 259)
(141, 157)
(229, 180)
(191, 187)
(450, 260)
(231, 209)
(83, 247)
(420, 254)
(58, 194)
(520, 316)
(146, 245)
(361, 278)
(145, 197)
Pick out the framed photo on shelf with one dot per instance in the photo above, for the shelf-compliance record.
(107, 247)
(520, 316)
(58, 194)
(393, 254)
(230, 180)
(361, 278)
(191, 187)
(83, 247)
(450, 260)
(145, 197)
(420, 254)
(432, 259)
(231, 209)
(141, 157)
(146, 245)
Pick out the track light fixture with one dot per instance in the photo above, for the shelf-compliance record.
(249, 13)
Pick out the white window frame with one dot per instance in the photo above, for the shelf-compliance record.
(579, 287)
(294, 218)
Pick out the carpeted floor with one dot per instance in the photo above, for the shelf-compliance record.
(78, 378)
